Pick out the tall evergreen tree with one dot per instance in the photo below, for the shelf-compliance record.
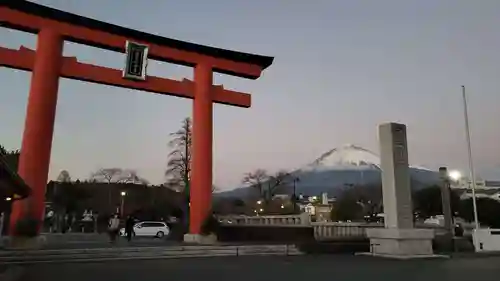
(178, 171)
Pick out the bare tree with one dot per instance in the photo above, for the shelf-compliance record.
(277, 181)
(64, 176)
(256, 180)
(117, 175)
(133, 177)
(178, 171)
(107, 175)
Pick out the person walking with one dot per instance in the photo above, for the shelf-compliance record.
(113, 227)
(129, 228)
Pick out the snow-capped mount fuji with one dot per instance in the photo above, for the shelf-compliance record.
(348, 156)
(342, 167)
(345, 157)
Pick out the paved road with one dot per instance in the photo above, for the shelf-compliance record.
(125, 244)
(104, 244)
(348, 268)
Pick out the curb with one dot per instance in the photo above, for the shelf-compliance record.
(106, 254)
(162, 257)
(42, 252)
(12, 273)
(475, 255)
(403, 257)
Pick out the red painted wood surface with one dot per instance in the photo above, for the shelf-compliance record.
(24, 59)
(102, 39)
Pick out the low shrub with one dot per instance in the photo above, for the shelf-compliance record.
(210, 225)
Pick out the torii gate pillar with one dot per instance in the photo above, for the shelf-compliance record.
(201, 165)
(39, 125)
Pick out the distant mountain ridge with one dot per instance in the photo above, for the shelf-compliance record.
(339, 168)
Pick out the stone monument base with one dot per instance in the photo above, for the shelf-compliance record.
(401, 243)
(200, 239)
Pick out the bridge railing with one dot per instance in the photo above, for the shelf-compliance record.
(340, 231)
(322, 230)
(285, 220)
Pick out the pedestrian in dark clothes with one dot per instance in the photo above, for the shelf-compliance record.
(129, 227)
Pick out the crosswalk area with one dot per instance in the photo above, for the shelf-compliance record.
(138, 253)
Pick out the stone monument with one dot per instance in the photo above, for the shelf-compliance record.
(399, 238)
(446, 200)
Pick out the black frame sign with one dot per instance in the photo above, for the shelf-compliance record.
(136, 61)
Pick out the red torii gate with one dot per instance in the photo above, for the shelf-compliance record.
(47, 64)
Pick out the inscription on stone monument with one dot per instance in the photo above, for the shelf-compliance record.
(395, 176)
(398, 238)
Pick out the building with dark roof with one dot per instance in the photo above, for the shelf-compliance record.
(12, 187)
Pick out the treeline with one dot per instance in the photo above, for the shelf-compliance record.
(359, 203)
(106, 198)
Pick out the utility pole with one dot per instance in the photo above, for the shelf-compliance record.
(471, 162)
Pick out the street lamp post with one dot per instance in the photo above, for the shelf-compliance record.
(2, 216)
(295, 180)
(122, 201)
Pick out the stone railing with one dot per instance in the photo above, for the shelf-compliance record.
(322, 230)
(341, 231)
(285, 220)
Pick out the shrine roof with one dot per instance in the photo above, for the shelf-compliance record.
(11, 183)
(61, 16)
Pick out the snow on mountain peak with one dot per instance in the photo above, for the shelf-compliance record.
(347, 156)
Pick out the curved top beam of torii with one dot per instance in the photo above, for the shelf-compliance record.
(31, 17)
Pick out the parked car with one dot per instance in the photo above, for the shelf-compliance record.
(156, 229)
